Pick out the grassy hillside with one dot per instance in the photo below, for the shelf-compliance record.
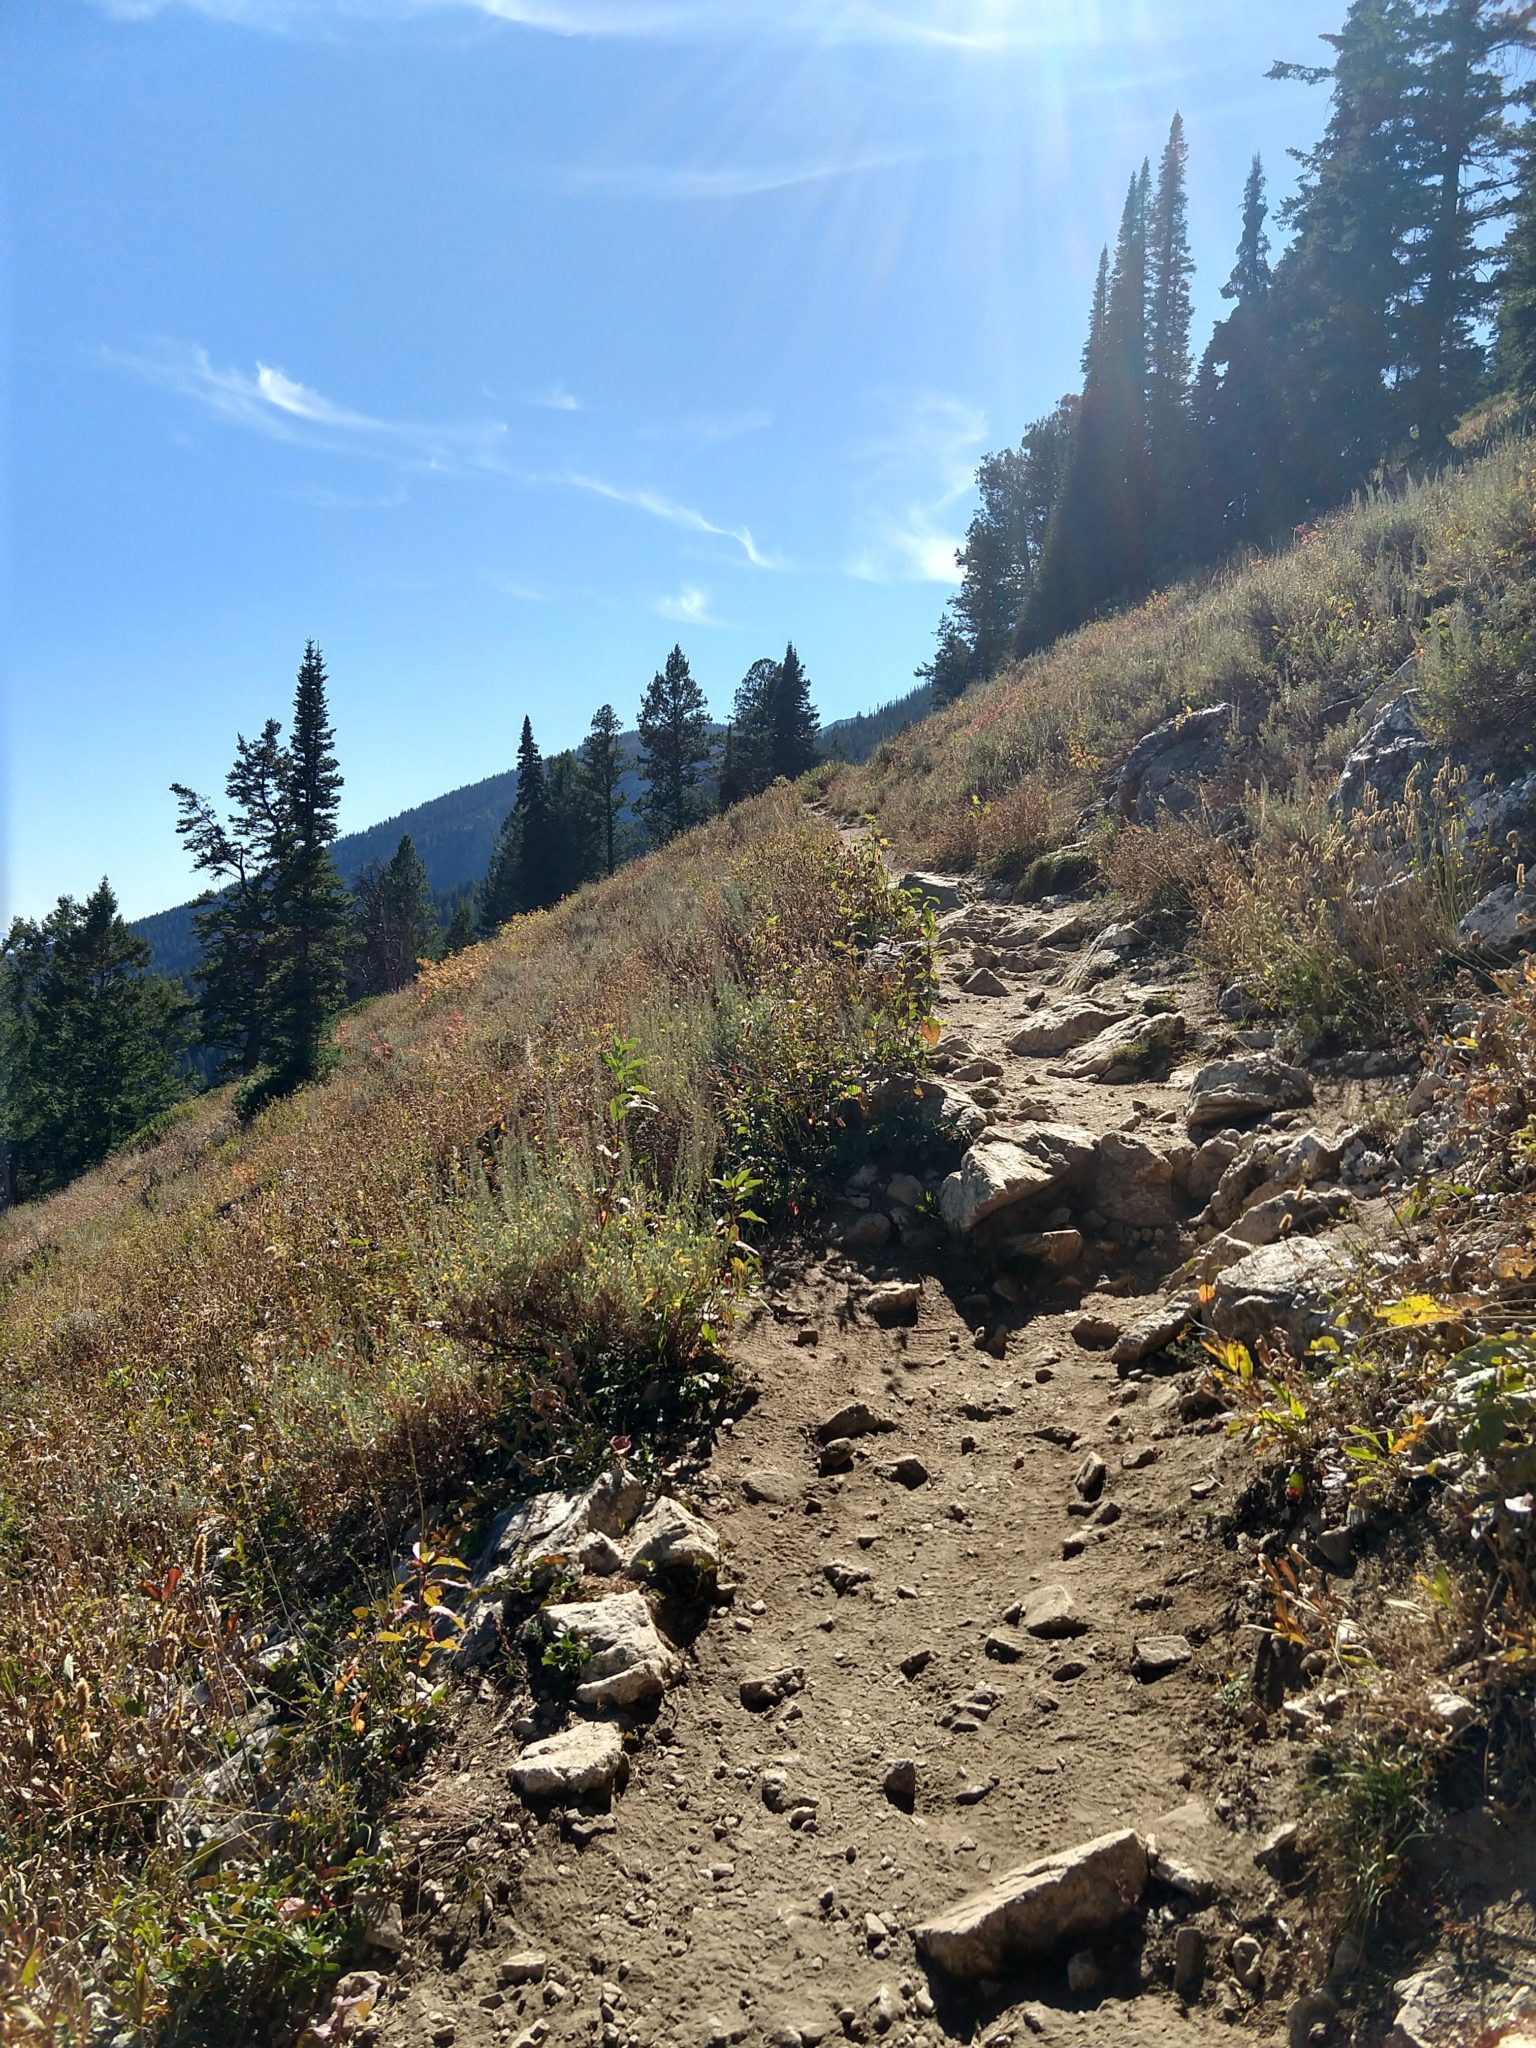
(1303, 646)
(245, 1362)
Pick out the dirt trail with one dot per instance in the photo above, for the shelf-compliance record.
(695, 1913)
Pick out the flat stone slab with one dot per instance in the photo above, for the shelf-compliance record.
(1231, 1091)
(1158, 1656)
(1061, 1027)
(1071, 1896)
(583, 1763)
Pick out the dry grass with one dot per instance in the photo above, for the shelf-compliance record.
(242, 1363)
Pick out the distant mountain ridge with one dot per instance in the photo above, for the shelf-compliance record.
(454, 833)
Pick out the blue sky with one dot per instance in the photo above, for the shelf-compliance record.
(499, 343)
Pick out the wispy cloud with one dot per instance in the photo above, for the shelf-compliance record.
(690, 607)
(516, 590)
(718, 181)
(918, 471)
(322, 498)
(268, 401)
(557, 399)
(707, 430)
(661, 507)
(962, 26)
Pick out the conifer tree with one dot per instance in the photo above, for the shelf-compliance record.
(91, 1044)
(604, 765)
(1341, 289)
(397, 922)
(535, 883)
(794, 728)
(732, 783)
(461, 927)
(1169, 366)
(950, 669)
(674, 742)
(313, 910)
(752, 721)
(574, 853)
(236, 923)
(1239, 399)
(1515, 348)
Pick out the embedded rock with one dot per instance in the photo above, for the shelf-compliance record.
(1028, 1912)
(1503, 922)
(1135, 1184)
(669, 1542)
(853, 1419)
(951, 1111)
(941, 891)
(1000, 1173)
(625, 1662)
(1129, 1048)
(984, 983)
(1156, 1656)
(585, 1762)
(1062, 1027)
(1231, 1091)
(897, 1301)
(1050, 1616)
(1163, 772)
(1281, 1287)
(1382, 762)
(1154, 1331)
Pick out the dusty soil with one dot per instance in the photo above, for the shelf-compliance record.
(694, 1914)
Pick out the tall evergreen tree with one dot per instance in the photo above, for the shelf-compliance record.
(751, 731)
(604, 763)
(1515, 348)
(314, 924)
(500, 894)
(1341, 289)
(575, 852)
(1459, 118)
(1170, 370)
(732, 783)
(397, 922)
(277, 932)
(1239, 397)
(674, 742)
(461, 927)
(237, 922)
(91, 1044)
(950, 669)
(536, 884)
(794, 728)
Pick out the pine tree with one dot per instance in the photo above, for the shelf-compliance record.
(1515, 349)
(574, 853)
(313, 910)
(1458, 115)
(604, 765)
(674, 742)
(950, 670)
(1169, 367)
(92, 1046)
(732, 783)
(236, 923)
(461, 927)
(752, 720)
(1239, 398)
(397, 922)
(277, 933)
(535, 884)
(1341, 290)
(499, 898)
(794, 728)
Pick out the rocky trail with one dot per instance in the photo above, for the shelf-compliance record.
(981, 1548)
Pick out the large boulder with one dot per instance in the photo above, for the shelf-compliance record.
(1266, 1165)
(1135, 1184)
(1069, 1897)
(622, 1661)
(1046, 1161)
(1163, 772)
(586, 1762)
(1389, 753)
(1233, 1091)
(1503, 922)
(1279, 1289)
